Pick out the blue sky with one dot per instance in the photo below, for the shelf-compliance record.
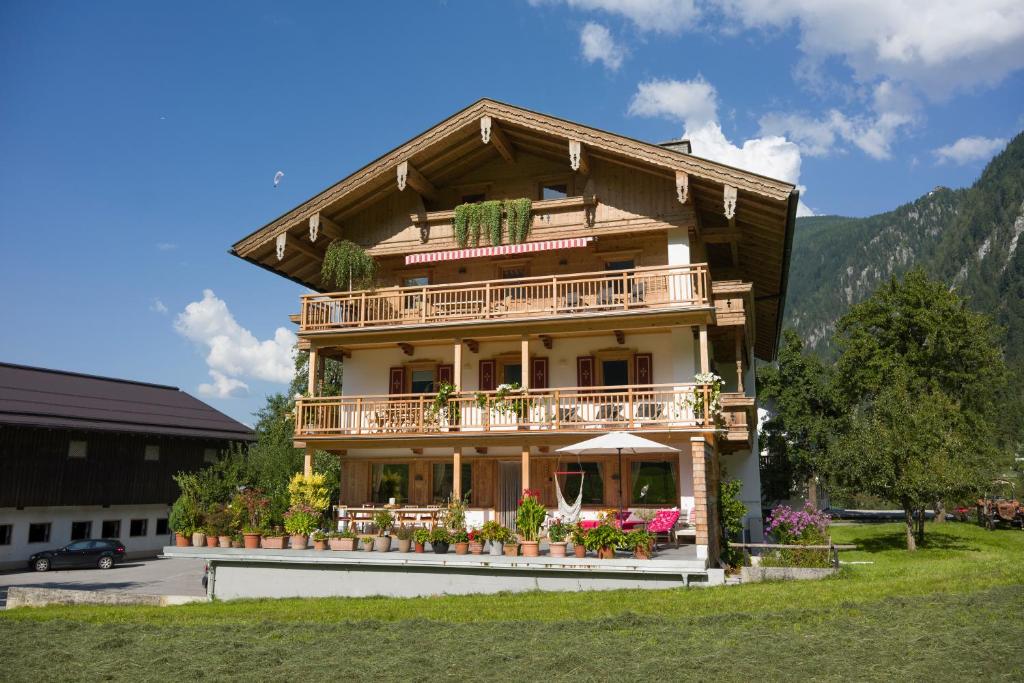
(137, 143)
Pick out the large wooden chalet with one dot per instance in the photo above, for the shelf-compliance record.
(645, 265)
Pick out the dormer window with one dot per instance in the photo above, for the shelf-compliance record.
(554, 190)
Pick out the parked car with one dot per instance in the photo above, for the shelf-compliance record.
(92, 552)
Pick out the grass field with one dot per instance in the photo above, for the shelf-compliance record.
(952, 611)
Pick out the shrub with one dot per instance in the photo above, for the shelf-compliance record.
(301, 519)
(311, 491)
(604, 535)
(558, 531)
(421, 535)
(383, 520)
(637, 538)
(808, 526)
(403, 532)
(530, 515)
(440, 535)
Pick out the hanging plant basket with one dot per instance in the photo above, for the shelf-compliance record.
(348, 266)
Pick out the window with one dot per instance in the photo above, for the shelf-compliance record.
(443, 481)
(138, 527)
(654, 483)
(473, 198)
(615, 373)
(210, 455)
(422, 381)
(80, 530)
(77, 449)
(5, 534)
(512, 373)
(517, 272)
(593, 483)
(111, 528)
(81, 545)
(162, 528)
(39, 532)
(554, 190)
(390, 481)
(623, 264)
(413, 301)
(152, 453)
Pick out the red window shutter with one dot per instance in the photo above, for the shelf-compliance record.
(445, 374)
(396, 380)
(538, 373)
(643, 369)
(487, 375)
(584, 371)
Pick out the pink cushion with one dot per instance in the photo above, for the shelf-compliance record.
(663, 521)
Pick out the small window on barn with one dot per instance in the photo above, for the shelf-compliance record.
(152, 453)
(39, 532)
(209, 455)
(80, 530)
(138, 527)
(554, 190)
(5, 534)
(111, 528)
(162, 527)
(77, 449)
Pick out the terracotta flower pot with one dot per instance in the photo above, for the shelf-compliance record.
(557, 549)
(342, 544)
(320, 545)
(642, 553)
(382, 544)
(198, 539)
(299, 541)
(476, 548)
(462, 547)
(251, 541)
(366, 547)
(404, 545)
(224, 541)
(418, 547)
(211, 541)
(182, 541)
(530, 548)
(579, 550)
(273, 542)
(511, 549)
(607, 553)
(237, 544)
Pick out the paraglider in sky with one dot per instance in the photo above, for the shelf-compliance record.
(277, 178)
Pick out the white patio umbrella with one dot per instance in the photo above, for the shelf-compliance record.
(617, 443)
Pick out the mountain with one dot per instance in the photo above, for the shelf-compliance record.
(971, 238)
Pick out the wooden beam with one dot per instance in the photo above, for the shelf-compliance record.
(492, 133)
(457, 473)
(578, 159)
(524, 359)
(721, 235)
(314, 366)
(319, 223)
(526, 468)
(407, 349)
(407, 174)
(457, 364)
(705, 362)
(481, 450)
(307, 462)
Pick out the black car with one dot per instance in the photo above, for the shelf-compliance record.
(91, 552)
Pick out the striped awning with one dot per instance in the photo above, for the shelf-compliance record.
(502, 250)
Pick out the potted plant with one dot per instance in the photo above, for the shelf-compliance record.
(579, 540)
(383, 520)
(300, 521)
(252, 505)
(476, 542)
(529, 518)
(183, 520)
(319, 540)
(558, 531)
(420, 538)
(212, 537)
(440, 538)
(366, 543)
(495, 534)
(640, 542)
(198, 537)
(443, 412)
(237, 541)
(508, 401)
(511, 546)
(273, 539)
(342, 540)
(603, 539)
(404, 535)
(218, 526)
(461, 540)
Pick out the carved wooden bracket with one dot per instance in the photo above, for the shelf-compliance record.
(578, 160)
(620, 336)
(473, 345)
(417, 451)
(406, 348)
(279, 245)
(481, 450)
(403, 174)
(547, 341)
(485, 129)
(682, 186)
(729, 199)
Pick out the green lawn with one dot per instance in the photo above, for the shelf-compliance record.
(953, 610)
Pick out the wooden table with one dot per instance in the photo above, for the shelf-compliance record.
(426, 517)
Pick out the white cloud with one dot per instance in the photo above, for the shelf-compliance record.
(166, 246)
(223, 386)
(234, 351)
(158, 307)
(966, 150)
(667, 16)
(597, 44)
(695, 104)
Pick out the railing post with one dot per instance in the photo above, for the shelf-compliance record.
(359, 415)
(629, 396)
(625, 290)
(487, 300)
(420, 413)
(362, 309)
(423, 305)
(558, 411)
(554, 294)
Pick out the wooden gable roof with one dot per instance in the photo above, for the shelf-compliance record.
(764, 209)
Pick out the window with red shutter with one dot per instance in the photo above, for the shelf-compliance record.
(487, 375)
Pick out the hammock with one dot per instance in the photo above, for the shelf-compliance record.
(569, 513)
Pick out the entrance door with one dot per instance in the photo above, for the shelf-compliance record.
(510, 488)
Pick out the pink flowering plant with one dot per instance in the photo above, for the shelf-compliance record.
(806, 526)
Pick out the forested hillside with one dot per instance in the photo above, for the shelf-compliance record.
(970, 238)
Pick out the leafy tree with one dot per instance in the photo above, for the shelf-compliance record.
(804, 412)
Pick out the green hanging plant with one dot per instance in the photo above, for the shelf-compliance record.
(490, 217)
(348, 266)
(520, 217)
(475, 214)
(460, 224)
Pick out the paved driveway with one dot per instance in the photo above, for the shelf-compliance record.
(178, 576)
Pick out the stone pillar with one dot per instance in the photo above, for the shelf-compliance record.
(700, 452)
(457, 473)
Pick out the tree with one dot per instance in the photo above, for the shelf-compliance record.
(804, 411)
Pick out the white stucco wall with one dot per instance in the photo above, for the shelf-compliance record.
(17, 552)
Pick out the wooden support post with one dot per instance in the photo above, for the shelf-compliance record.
(705, 362)
(525, 360)
(314, 365)
(457, 364)
(739, 359)
(457, 473)
(526, 468)
(307, 461)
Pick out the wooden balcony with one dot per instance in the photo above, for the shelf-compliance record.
(536, 412)
(636, 290)
(739, 417)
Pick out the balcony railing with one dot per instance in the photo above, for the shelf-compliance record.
(619, 290)
(660, 407)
